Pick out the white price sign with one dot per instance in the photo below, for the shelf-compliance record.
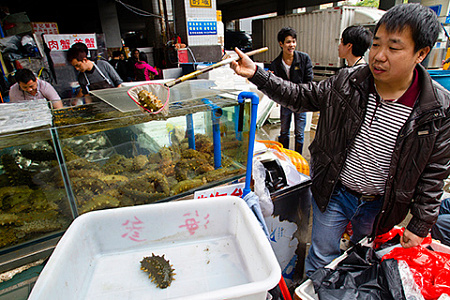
(228, 190)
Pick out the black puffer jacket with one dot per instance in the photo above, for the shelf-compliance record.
(421, 156)
(300, 71)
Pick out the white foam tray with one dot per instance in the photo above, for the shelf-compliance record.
(215, 245)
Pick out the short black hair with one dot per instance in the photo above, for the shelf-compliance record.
(24, 75)
(359, 37)
(421, 20)
(285, 32)
(78, 51)
(143, 57)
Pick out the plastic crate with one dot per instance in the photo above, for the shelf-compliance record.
(215, 245)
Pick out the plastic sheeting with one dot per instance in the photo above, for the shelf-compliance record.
(399, 274)
(430, 269)
(24, 115)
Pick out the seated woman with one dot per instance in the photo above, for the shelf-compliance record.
(143, 71)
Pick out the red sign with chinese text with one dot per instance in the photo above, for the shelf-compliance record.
(62, 42)
(45, 27)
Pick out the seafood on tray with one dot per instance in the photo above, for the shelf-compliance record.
(149, 101)
(159, 269)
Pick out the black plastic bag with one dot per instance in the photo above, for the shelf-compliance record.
(359, 276)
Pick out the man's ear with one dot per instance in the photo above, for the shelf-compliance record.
(281, 44)
(422, 54)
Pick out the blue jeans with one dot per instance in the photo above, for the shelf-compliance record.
(300, 123)
(445, 207)
(328, 227)
(441, 230)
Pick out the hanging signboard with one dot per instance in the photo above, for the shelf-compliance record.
(200, 3)
(62, 42)
(45, 27)
(201, 22)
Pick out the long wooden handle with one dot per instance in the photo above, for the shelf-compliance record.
(209, 68)
(257, 51)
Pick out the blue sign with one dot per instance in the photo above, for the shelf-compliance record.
(202, 27)
(436, 9)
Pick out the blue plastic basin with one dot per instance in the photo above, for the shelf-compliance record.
(441, 76)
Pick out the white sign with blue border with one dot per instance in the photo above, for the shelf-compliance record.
(202, 27)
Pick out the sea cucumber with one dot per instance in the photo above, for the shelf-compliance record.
(159, 269)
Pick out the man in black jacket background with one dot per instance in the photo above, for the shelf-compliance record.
(294, 66)
(354, 43)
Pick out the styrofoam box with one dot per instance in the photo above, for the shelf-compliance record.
(306, 290)
(215, 245)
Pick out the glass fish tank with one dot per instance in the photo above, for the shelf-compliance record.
(103, 151)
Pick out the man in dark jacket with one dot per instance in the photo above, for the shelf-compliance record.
(382, 146)
(295, 66)
(119, 65)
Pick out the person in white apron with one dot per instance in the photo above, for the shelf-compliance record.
(99, 85)
(96, 76)
(93, 75)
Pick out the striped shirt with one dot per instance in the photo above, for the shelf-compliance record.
(366, 168)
